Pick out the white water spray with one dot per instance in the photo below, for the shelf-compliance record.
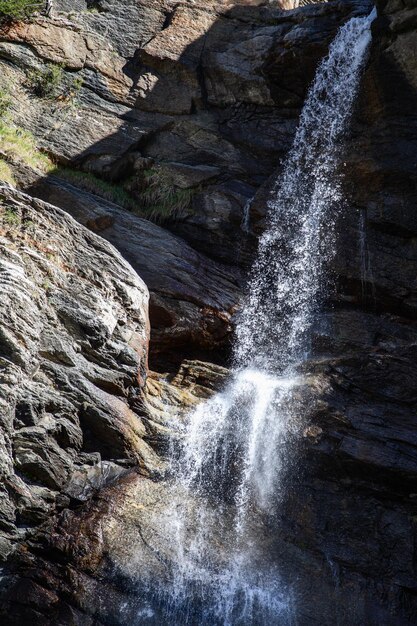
(228, 475)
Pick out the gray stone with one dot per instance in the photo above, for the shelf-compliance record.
(70, 305)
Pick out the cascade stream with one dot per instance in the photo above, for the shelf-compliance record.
(228, 473)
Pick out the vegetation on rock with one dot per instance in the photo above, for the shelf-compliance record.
(87, 181)
(5, 102)
(19, 144)
(6, 173)
(9, 215)
(46, 82)
(19, 9)
(161, 198)
(158, 198)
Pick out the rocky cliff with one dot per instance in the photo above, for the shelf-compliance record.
(74, 343)
(161, 124)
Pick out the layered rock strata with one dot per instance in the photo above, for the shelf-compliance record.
(74, 338)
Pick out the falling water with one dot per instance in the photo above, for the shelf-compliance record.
(228, 473)
(245, 224)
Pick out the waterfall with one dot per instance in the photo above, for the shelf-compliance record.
(228, 471)
(245, 224)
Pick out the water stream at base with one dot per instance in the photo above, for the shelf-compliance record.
(229, 470)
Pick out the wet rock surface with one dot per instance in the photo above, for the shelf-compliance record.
(211, 94)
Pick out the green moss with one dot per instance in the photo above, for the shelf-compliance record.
(5, 102)
(77, 83)
(17, 143)
(6, 174)
(51, 82)
(46, 284)
(20, 143)
(10, 216)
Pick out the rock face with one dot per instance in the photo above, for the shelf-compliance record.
(202, 99)
(205, 92)
(381, 183)
(207, 96)
(73, 347)
(356, 501)
(193, 298)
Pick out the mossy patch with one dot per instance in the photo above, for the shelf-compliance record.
(46, 81)
(160, 199)
(5, 102)
(152, 194)
(9, 215)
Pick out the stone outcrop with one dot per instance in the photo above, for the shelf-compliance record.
(204, 97)
(74, 338)
(193, 298)
(355, 505)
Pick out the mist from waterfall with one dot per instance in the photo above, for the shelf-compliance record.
(229, 469)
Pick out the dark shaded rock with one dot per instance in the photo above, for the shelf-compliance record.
(192, 298)
(381, 169)
(207, 85)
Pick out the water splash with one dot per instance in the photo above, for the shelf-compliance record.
(230, 465)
